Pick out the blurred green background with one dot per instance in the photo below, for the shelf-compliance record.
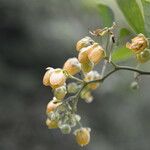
(35, 34)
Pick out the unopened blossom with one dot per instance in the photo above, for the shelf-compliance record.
(72, 66)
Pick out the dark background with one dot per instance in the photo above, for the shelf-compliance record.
(35, 34)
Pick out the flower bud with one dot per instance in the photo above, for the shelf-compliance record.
(87, 41)
(77, 118)
(53, 115)
(60, 92)
(143, 56)
(138, 44)
(82, 136)
(87, 96)
(83, 55)
(57, 78)
(46, 78)
(72, 66)
(96, 55)
(65, 128)
(92, 75)
(52, 105)
(134, 85)
(51, 124)
(72, 87)
(87, 67)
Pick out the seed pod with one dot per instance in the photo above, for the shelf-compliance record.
(96, 55)
(72, 87)
(82, 136)
(47, 75)
(93, 75)
(72, 66)
(52, 105)
(138, 43)
(65, 128)
(87, 41)
(60, 92)
(143, 56)
(57, 78)
(87, 67)
(51, 124)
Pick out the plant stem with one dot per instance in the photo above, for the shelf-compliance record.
(117, 68)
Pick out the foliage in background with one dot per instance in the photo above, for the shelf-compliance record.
(133, 15)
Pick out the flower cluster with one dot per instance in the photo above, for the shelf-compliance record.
(62, 109)
(60, 112)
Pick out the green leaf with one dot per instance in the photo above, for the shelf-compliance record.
(123, 36)
(121, 54)
(132, 13)
(146, 10)
(124, 33)
(106, 15)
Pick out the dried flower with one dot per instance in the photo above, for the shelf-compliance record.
(138, 43)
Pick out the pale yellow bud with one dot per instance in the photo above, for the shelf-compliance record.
(83, 55)
(57, 78)
(87, 67)
(82, 136)
(93, 75)
(51, 124)
(87, 41)
(96, 55)
(72, 66)
(72, 87)
(138, 44)
(46, 78)
(60, 92)
(52, 105)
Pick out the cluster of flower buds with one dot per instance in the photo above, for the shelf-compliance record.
(90, 53)
(60, 113)
(138, 45)
(62, 109)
